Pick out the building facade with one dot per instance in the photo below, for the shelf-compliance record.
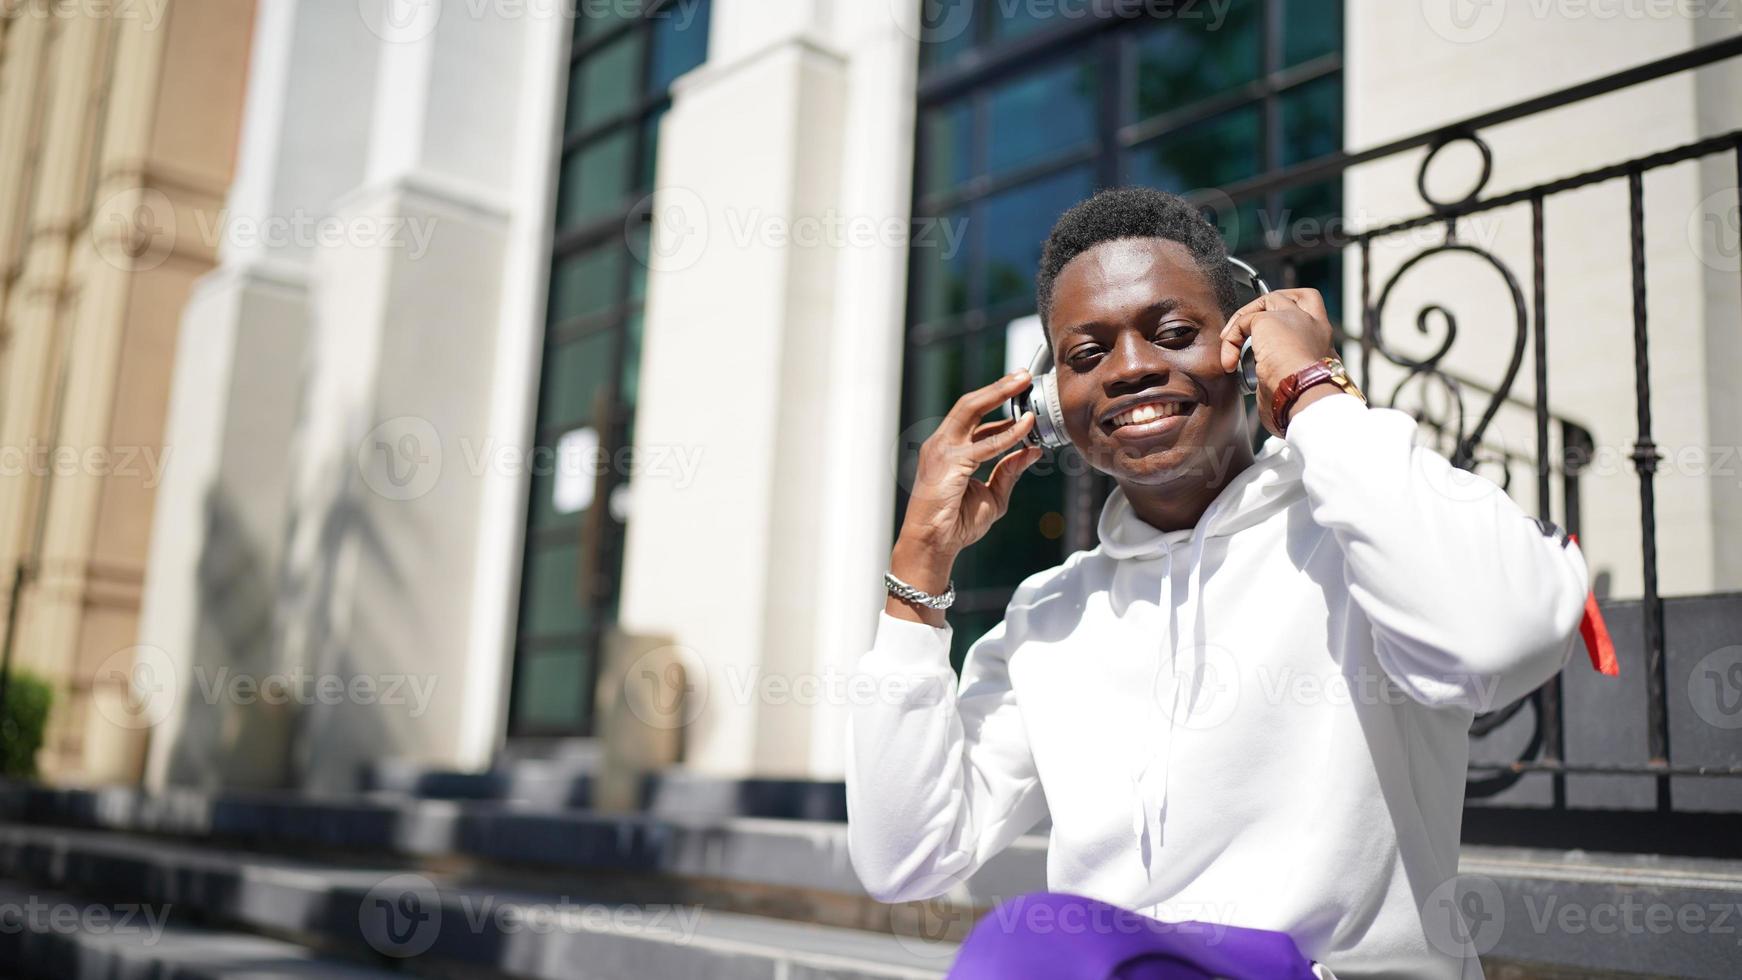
(117, 130)
(561, 359)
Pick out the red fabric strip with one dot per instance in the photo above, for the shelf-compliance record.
(1596, 635)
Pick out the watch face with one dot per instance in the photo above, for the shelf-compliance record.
(1340, 377)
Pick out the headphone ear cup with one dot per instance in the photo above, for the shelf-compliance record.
(1049, 419)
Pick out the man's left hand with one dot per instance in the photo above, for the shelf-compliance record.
(1290, 330)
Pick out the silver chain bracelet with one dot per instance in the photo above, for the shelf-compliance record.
(901, 590)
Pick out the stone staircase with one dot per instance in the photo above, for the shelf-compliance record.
(509, 874)
(386, 882)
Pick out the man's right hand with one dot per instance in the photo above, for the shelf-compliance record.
(948, 509)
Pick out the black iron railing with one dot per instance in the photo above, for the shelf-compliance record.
(1463, 437)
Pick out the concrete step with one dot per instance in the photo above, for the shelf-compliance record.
(569, 782)
(446, 919)
(1557, 910)
(1576, 913)
(800, 867)
(55, 936)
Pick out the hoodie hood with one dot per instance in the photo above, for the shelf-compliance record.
(1271, 482)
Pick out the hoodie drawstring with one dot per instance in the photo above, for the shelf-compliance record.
(1149, 787)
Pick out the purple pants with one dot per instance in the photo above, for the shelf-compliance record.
(1068, 937)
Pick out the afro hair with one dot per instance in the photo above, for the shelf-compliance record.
(1134, 212)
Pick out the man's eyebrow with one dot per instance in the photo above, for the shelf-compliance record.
(1153, 311)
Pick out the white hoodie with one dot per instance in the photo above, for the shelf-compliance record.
(1260, 721)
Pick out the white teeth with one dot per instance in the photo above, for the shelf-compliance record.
(1150, 412)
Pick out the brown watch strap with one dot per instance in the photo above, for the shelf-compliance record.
(1289, 391)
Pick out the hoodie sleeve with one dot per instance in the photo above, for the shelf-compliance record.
(939, 774)
(1472, 601)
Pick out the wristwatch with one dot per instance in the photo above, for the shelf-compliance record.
(1326, 370)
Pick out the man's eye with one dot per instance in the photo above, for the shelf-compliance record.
(1084, 355)
(1175, 334)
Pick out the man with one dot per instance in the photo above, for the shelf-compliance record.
(1250, 703)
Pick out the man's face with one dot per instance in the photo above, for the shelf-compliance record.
(1134, 330)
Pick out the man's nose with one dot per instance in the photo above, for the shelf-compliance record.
(1134, 361)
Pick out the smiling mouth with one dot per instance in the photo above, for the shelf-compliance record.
(1150, 417)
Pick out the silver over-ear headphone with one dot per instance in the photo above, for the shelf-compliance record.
(1042, 397)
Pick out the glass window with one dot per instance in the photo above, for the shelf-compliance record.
(587, 283)
(1311, 29)
(1016, 224)
(550, 596)
(595, 179)
(629, 378)
(948, 145)
(575, 374)
(948, 29)
(625, 58)
(649, 151)
(550, 688)
(1040, 115)
(679, 44)
(1182, 60)
(935, 382)
(1008, 21)
(1217, 151)
(941, 273)
(604, 86)
(1312, 120)
(596, 19)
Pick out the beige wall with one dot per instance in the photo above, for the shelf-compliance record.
(117, 135)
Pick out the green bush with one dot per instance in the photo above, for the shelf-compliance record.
(23, 719)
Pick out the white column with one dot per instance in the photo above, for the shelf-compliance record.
(857, 461)
(421, 364)
(213, 573)
(772, 350)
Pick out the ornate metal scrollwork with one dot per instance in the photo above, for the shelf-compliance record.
(1427, 370)
(1462, 442)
